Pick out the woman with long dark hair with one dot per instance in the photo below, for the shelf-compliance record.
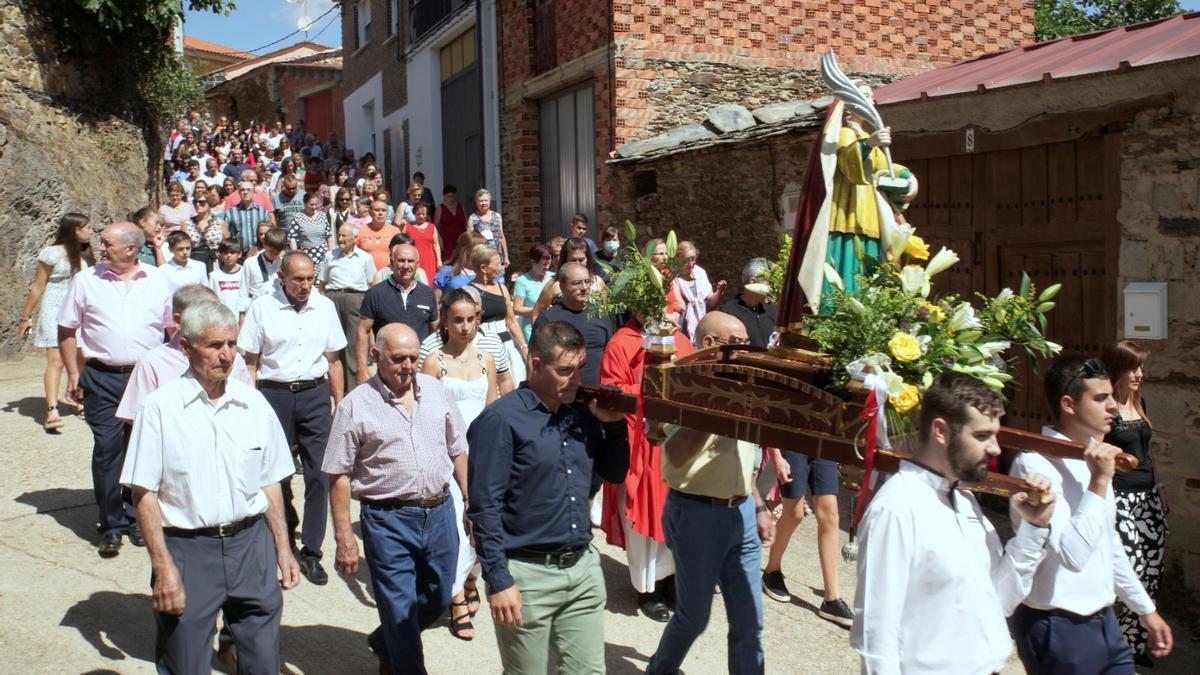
(56, 264)
(470, 378)
(1141, 509)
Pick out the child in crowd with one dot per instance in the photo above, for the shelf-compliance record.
(181, 270)
(226, 279)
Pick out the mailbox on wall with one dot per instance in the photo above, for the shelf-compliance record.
(1146, 310)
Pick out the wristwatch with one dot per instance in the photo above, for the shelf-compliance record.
(761, 509)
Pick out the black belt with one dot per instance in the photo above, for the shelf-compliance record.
(294, 387)
(389, 504)
(1067, 614)
(104, 367)
(344, 290)
(731, 502)
(220, 531)
(563, 558)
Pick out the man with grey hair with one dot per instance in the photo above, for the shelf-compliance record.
(575, 281)
(345, 277)
(114, 313)
(292, 340)
(750, 305)
(204, 464)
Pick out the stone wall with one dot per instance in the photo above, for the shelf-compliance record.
(244, 98)
(728, 200)
(1160, 241)
(56, 154)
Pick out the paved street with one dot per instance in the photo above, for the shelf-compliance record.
(66, 610)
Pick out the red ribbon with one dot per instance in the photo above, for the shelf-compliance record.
(870, 413)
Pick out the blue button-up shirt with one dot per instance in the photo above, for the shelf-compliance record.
(530, 474)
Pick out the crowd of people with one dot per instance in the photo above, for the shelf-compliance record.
(280, 307)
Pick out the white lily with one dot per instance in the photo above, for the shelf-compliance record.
(963, 318)
(941, 262)
(914, 281)
(924, 341)
(892, 383)
(990, 349)
(1004, 295)
(898, 238)
(1053, 347)
(856, 306)
(832, 276)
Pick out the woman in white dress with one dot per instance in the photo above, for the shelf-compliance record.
(470, 377)
(57, 263)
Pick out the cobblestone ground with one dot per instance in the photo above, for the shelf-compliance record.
(63, 609)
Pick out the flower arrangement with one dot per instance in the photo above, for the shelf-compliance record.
(891, 326)
(776, 273)
(641, 286)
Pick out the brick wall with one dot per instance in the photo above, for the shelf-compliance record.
(296, 82)
(378, 53)
(674, 59)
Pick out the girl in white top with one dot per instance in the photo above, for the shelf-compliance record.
(57, 263)
(470, 377)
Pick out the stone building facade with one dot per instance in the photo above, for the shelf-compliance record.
(647, 67)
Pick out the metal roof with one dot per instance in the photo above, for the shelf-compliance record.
(1113, 50)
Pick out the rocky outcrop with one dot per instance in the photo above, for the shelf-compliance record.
(57, 154)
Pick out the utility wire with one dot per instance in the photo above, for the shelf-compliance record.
(271, 44)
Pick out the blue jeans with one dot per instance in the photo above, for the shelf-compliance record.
(713, 546)
(411, 553)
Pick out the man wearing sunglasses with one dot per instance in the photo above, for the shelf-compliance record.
(1067, 623)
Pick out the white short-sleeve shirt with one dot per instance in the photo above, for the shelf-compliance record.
(291, 343)
(207, 460)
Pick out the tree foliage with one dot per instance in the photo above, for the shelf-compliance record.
(1060, 18)
(137, 34)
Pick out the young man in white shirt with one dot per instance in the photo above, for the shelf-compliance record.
(181, 270)
(934, 581)
(261, 270)
(1067, 624)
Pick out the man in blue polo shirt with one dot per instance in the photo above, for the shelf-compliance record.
(398, 299)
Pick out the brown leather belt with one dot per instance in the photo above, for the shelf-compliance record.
(390, 504)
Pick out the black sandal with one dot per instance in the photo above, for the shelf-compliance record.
(461, 623)
(471, 597)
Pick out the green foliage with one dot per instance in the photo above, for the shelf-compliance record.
(640, 287)
(775, 276)
(1060, 18)
(137, 34)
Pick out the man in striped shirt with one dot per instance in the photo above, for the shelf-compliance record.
(245, 216)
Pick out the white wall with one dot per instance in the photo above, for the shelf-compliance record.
(424, 111)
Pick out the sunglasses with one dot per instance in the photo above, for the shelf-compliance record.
(1092, 368)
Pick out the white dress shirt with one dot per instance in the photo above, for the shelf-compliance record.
(291, 343)
(179, 276)
(207, 460)
(1085, 565)
(254, 283)
(353, 271)
(934, 581)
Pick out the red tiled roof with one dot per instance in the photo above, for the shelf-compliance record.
(197, 44)
(1116, 49)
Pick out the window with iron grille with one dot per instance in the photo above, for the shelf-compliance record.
(427, 14)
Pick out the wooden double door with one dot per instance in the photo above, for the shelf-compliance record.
(1047, 209)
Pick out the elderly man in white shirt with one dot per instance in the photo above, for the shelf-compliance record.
(934, 581)
(291, 340)
(345, 277)
(1067, 624)
(204, 464)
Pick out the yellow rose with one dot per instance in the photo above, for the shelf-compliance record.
(904, 347)
(917, 248)
(936, 314)
(906, 400)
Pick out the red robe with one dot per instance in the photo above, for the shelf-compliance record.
(645, 490)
